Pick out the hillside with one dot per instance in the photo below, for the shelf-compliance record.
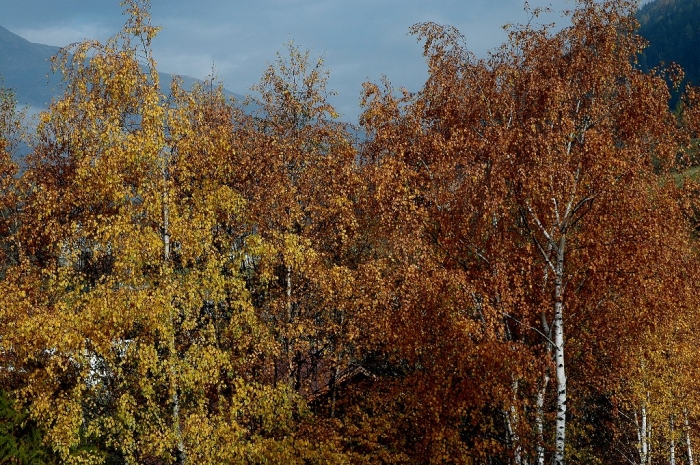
(672, 28)
(25, 67)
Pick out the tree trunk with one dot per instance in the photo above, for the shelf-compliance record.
(292, 366)
(672, 447)
(648, 442)
(175, 398)
(560, 440)
(687, 437)
(512, 428)
(642, 436)
(542, 392)
(540, 419)
(334, 379)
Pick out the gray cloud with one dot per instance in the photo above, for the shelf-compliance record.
(63, 34)
(360, 39)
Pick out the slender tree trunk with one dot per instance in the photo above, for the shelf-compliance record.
(515, 437)
(337, 354)
(542, 392)
(175, 398)
(555, 338)
(672, 447)
(512, 428)
(559, 285)
(289, 346)
(642, 436)
(166, 226)
(687, 437)
(298, 360)
(539, 421)
(334, 379)
(648, 442)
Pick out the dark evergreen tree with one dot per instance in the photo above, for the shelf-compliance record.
(20, 439)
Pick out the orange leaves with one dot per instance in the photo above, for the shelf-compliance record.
(531, 178)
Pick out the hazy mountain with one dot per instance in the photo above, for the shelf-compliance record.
(672, 28)
(25, 67)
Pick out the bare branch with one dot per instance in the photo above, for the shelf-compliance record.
(525, 325)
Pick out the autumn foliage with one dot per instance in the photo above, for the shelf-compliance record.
(502, 269)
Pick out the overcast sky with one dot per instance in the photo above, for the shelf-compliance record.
(360, 39)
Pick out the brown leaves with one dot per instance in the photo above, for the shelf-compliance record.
(535, 167)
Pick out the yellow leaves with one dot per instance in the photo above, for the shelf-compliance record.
(135, 308)
(202, 366)
(295, 250)
(61, 416)
(213, 439)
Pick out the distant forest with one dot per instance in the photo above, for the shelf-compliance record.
(672, 28)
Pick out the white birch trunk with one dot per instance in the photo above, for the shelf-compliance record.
(560, 439)
(541, 393)
(512, 428)
(672, 446)
(555, 339)
(513, 436)
(687, 437)
(648, 442)
(642, 436)
(291, 362)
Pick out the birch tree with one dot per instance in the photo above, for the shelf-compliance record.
(11, 135)
(504, 272)
(297, 176)
(131, 319)
(532, 170)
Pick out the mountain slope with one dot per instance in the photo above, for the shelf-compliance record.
(25, 67)
(672, 28)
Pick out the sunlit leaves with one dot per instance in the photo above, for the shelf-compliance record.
(533, 177)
